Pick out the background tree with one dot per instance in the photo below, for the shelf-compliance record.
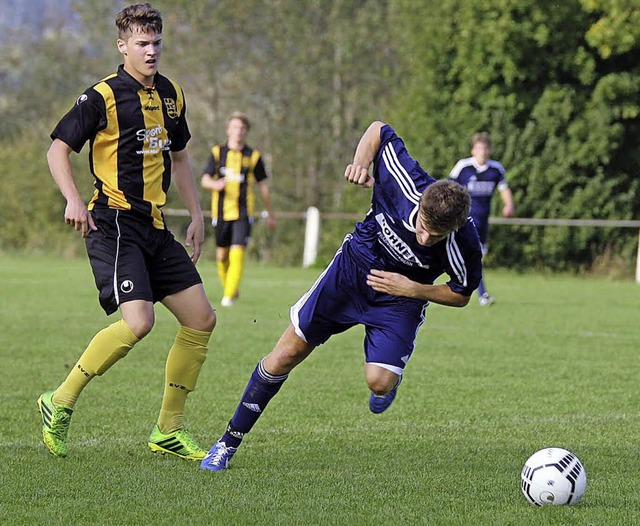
(556, 84)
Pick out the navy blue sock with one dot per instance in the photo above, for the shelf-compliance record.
(262, 387)
(481, 289)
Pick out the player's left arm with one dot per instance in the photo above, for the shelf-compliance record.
(265, 195)
(400, 285)
(507, 200)
(186, 186)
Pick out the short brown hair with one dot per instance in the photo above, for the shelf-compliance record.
(444, 206)
(240, 116)
(142, 16)
(482, 137)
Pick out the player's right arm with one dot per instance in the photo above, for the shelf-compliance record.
(358, 171)
(75, 213)
(209, 182)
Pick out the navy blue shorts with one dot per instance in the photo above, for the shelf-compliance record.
(133, 260)
(340, 298)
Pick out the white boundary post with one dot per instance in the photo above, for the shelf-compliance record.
(638, 261)
(311, 236)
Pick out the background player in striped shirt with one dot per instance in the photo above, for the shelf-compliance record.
(481, 176)
(135, 122)
(381, 277)
(232, 171)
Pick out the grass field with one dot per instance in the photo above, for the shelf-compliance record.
(554, 363)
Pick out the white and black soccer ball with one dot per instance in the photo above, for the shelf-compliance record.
(553, 476)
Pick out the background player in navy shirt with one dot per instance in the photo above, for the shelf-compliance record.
(381, 277)
(481, 176)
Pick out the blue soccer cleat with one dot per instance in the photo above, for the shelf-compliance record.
(218, 457)
(379, 404)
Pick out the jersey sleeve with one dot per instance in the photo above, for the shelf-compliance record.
(398, 177)
(464, 260)
(210, 168)
(181, 134)
(455, 171)
(83, 121)
(502, 181)
(259, 171)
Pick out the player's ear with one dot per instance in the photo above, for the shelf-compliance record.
(122, 46)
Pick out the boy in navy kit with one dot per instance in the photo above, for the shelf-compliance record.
(381, 277)
(481, 176)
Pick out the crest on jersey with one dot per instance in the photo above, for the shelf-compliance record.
(172, 109)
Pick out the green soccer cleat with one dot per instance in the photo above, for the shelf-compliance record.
(179, 443)
(55, 424)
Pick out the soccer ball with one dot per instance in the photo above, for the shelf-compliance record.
(553, 476)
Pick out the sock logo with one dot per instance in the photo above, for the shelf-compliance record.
(83, 371)
(177, 386)
(252, 407)
(126, 286)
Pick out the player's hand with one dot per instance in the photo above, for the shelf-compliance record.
(390, 283)
(77, 216)
(508, 211)
(356, 174)
(195, 238)
(219, 184)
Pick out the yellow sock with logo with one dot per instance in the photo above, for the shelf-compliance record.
(234, 274)
(107, 347)
(181, 374)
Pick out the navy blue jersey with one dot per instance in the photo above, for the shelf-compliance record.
(386, 238)
(481, 181)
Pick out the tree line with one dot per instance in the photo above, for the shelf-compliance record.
(557, 84)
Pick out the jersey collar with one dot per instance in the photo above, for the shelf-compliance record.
(133, 83)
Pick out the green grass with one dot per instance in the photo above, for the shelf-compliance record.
(553, 363)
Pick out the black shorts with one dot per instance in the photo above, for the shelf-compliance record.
(133, 260)
(236, 232)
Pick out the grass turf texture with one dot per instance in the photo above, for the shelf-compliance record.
(553, 363)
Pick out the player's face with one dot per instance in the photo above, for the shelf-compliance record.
(236, 131)
(427, 236)
(481, 152)
(141, 51)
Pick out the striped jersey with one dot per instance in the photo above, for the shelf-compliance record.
(132, 129)
(386, 238)
(240, 169)
(481, 181)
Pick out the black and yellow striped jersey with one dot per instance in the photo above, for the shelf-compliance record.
(241, 169)
(132, 129)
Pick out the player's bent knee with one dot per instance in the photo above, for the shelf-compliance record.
(209, 321)
(381, 382)
(141, 326)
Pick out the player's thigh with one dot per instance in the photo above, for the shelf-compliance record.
(223, 233)
(192, 308)
(390, 334)
(119, 268)
(241, 232)
(328, 307)
(170, 268)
